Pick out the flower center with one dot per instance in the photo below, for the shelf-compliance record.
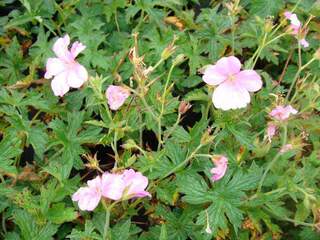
(231, 77)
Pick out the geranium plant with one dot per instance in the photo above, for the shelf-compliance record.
(150, 119)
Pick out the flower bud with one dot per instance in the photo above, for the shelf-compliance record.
(184, 107)
(207, 137)
(168, 51)
(179, 59)
(129, 144)
(268, 25)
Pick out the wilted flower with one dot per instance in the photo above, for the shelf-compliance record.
(116, 96)
(221, 165)
(271, 131)
(89, 197)
(282, 113)
(114, 186)
(234, 84)
(64, 69)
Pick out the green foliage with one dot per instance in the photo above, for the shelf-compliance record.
(51, 146)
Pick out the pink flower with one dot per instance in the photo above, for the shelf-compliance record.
(234, 84)
(295, 26)
(286, 148)
(135, 183)
(64, 69)
(116, 96)
(113, 185)
(282, 113)
(304, 43)
(271, 131)
(88, 197)
(219, 171)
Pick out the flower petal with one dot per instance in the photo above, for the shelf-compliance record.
(89, 199)
(228, 65)
(221, 165)
(60, 48)
(112, 186)
(76, 48)
(230, 96)
(135, 183)
(59, 84)
(77, 75)
(116, 96)
(54, 66)
(304, 43)
(249, 79)
(95, 183)
(213, 76)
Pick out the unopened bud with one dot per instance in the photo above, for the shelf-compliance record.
(129, 144)
(168, 51)
(184, 107)
(179, 59)
(207, 137)
(268, 25)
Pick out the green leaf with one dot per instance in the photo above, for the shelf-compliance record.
(181, 135)
(12, 64)
(29, 229)
(59, 213)
(88, 233)
(264, 8)
(194, 187)
(9, 148)
(121, 230)
(163, 234)
(38, 138)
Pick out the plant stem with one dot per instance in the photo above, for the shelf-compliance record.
(114, 148)
(116, 20)
(296, 222)
(296, 77)
(163, 99)
(232, 32)
(107, 222)
(173, 128)
(173, 170)
(256, 55)
(270, 165)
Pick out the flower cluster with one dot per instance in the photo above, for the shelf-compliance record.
(233, 87)
(280, 114)
(296, 27)
(115, 186)
(68, 73)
